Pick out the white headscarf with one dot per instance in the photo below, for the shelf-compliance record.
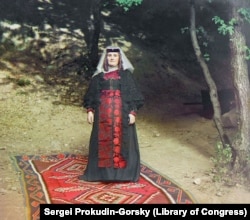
(126, 65)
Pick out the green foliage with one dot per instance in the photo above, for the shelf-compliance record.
(127, 4)
(202, 36)
(229, 28)
(184, 30)
(221, 160)
(245, 13)
(20, 92)
(223, 27)
(23, 82)
(247, 49)
(206, 57)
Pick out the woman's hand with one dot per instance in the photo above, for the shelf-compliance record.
(131, 119)
(90, 117)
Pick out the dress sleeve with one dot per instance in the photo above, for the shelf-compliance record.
(135, 97)
(91, 95)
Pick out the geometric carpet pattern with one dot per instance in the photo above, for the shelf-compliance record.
(53, 179)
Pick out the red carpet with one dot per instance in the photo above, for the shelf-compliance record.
(53, 179)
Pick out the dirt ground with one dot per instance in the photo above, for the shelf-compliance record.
(178, 147)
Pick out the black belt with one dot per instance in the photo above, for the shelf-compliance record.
(111, 85)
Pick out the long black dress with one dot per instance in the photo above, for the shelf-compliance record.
(113, 148)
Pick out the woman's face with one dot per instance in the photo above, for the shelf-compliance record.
(113, 59)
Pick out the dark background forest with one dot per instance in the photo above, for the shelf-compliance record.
(57, 33)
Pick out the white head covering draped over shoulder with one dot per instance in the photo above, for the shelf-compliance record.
(126, 65)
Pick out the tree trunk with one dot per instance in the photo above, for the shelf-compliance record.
(93, 53)
(210, 82)
(91, 28)
(241, 142)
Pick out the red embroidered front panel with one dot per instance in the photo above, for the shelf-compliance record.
(111, 75)
(110, 130)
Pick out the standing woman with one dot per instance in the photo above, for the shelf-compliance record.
(112, 101)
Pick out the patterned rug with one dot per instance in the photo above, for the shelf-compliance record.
(53, 179)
